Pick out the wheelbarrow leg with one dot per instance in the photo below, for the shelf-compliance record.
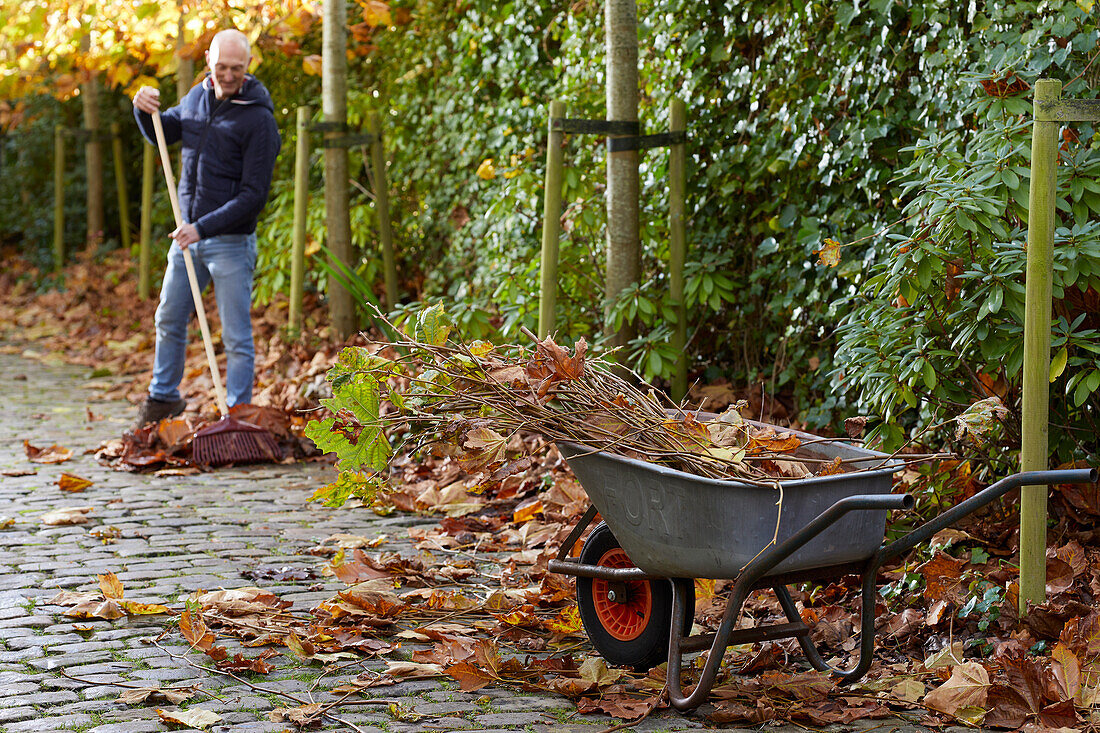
(867, 629)
(680, 588)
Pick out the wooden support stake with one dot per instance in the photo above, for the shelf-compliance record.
(120, 185)
(301, 203)
(1036, 397)
(677, 238)
(148, 169)
(58, 197)
(551, 221)
(382, 207)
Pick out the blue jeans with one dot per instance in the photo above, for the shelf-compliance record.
(229, 261)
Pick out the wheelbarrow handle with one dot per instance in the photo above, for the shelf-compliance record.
(987, 495)
(765, 561)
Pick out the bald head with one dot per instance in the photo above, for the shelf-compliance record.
(231, 36)
(228, 58)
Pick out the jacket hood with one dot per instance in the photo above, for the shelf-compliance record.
(252, 92)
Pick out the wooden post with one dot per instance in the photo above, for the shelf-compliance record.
(301, 204)
(1037, 307)
(677, 244)
(382, 207)
(148, 165)
(58, 197)
(551, 221)
(120, 184)
(624, 247)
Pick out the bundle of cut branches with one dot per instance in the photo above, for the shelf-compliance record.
(470, 400)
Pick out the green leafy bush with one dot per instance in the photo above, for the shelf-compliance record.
(938, 321)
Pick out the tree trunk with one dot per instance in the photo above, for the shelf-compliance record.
(624, 257)
(93, 154)
(185, 71)
(93, 161)
(334, 110)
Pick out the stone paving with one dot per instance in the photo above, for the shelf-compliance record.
(180, 534)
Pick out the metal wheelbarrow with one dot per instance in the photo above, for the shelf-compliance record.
(663, 528)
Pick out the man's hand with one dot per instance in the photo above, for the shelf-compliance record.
(185, 235)
(147, 100)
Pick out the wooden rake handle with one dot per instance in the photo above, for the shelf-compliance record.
(166, 163)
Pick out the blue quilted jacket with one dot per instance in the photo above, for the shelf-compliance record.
(229, 151)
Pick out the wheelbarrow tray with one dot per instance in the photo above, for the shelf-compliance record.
(680, 525)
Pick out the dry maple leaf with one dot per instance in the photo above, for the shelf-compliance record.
(832, 468)
(54, 454)
(626, 707)
(769, 441)
(942, 577)
(570, 686)
(470, 677)
(193, 718)
(69, 482)
(172, 695)
(193, 628)
(968, 687)
(553, 363)
(483, 448)
(596, 671)
(67, 515)
(303, 715)
(133, 608)
(240, 601)
(110, 585)
(302, 648)
(854, 426)
(947, 657)
(357, 570)
(108, 609)
(240, 663)
(412, 671)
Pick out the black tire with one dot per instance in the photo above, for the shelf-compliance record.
(631, 631)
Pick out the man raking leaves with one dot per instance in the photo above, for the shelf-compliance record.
(230, 141)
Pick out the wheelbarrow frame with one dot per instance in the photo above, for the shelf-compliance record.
(757, 574)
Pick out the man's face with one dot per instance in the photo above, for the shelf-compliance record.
(228, 63)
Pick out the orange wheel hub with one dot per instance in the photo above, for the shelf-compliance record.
(623, 618)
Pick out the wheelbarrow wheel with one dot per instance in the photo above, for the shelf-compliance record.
(628, 622)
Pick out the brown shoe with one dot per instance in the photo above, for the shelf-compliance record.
(153, 410)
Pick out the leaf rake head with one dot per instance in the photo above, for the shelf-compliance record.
(234, 441)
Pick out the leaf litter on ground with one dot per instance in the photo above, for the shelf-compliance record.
(506, 501)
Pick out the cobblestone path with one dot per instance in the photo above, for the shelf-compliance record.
(180, 534)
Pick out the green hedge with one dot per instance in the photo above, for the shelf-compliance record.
(808, 121)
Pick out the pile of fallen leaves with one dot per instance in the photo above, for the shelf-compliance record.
(94, 318)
